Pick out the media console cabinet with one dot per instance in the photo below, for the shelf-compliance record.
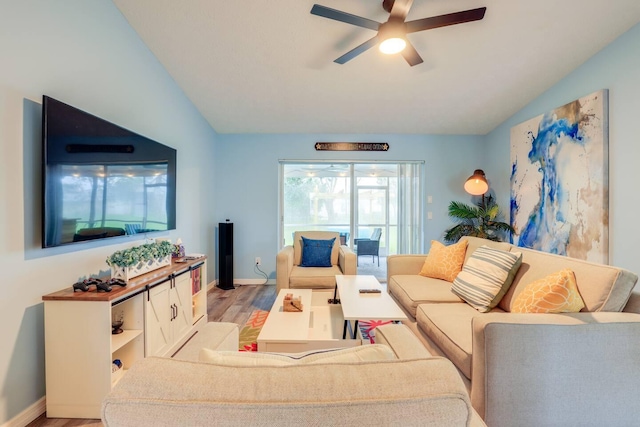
(161, 310)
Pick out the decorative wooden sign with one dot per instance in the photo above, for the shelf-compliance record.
(352, 146)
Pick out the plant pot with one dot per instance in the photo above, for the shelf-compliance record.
(143, 267)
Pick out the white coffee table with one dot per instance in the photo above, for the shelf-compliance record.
(318, 326)
(365, 306)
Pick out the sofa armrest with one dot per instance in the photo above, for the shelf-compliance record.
(556, 369)
(402, 341)
(633, 304)
(223, 336)
(284, 265)
(404, 264)
(347, 261)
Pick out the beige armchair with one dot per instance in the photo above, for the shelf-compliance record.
(290, 274)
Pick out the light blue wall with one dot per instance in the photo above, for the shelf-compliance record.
(617, 68)
(246, 182)
(86, 54)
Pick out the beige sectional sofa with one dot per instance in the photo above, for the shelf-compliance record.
(409, 387)
(534, 369)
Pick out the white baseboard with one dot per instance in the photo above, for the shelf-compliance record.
(243, 282)
(253, 282)
(28, 415)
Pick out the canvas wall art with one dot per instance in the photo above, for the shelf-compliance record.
(559, 180)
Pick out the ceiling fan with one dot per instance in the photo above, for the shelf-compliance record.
(392, 34)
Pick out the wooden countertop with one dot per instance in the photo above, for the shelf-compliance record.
(117, 292)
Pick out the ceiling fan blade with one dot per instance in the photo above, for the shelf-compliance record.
(357, 51)
(411, 54)
(400, 9)
(445, 20)
(327, 12)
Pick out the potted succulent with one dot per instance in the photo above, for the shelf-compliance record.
(480, 220)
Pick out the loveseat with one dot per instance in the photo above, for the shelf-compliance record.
(393, 382)
(533, 369)
(292, 273)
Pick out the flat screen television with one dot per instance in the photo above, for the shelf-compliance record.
(102, 181)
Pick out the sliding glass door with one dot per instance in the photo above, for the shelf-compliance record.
(315, 197)
(354, 199)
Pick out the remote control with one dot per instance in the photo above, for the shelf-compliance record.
(369, 291)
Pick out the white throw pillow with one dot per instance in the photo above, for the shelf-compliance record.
(363, 353)
(239, 358)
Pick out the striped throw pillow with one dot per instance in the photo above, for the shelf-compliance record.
(486, 277)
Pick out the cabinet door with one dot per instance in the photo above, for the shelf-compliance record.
(158, 316)
(181, 302)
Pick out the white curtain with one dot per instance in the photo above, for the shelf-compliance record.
(410, 232)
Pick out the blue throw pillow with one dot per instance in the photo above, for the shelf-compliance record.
(316, 253)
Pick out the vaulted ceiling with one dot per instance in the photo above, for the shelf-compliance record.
(256, 66)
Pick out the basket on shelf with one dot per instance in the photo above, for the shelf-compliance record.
(133, 262)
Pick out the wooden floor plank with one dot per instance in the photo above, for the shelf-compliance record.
(234, 305)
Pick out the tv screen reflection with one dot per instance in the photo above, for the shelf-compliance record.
(98, 201)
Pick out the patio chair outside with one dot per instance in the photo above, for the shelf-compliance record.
(370, 246)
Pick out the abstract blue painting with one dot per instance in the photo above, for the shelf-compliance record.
(559, 180)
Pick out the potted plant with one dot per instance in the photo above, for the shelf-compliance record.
(478, 221)
(129, 263)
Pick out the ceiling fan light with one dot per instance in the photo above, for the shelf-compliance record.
(393, 45)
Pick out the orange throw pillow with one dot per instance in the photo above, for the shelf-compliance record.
(444, 262)
(556, 293)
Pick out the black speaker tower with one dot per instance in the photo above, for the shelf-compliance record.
(225, 255)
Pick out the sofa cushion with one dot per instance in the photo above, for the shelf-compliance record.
(313, 277)
(449, 326)
(316, 252)
(602, 287)
(354, 354)
(444, 262)
(556, 293)
(411, 290)
(486, 276)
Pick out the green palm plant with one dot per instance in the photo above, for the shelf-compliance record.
(478, 221)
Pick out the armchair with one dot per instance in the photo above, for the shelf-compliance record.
(290, 273)
(370, 246)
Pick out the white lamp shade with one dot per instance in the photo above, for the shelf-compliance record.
(476, 184)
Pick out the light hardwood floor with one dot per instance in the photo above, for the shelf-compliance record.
(233, 306)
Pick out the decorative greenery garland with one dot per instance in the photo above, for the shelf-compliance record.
(146, 252)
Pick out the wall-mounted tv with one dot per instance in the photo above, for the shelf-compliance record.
(100, 180)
